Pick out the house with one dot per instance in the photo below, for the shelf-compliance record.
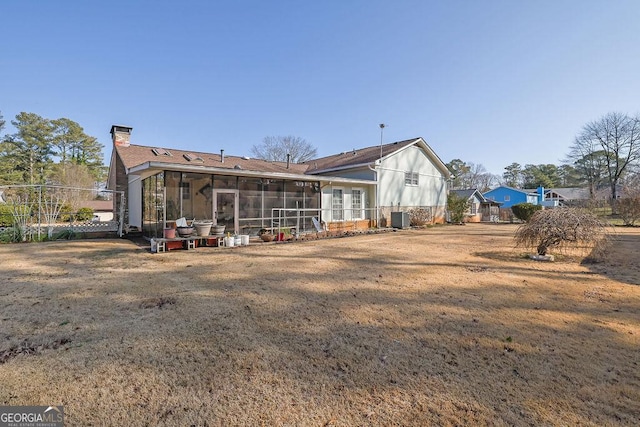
(480, 208)
(510, 196)
(408, 173)
(102, 209)
(353, 190)
(570, 196)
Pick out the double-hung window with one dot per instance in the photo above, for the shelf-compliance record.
(337, 205)
(356, 203)
(411, 178)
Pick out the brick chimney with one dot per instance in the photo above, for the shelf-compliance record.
(121, 135)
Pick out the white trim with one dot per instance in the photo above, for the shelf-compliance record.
(243, 172)
(333, 209)
(358, 214)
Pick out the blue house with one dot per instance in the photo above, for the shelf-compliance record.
(510, 196)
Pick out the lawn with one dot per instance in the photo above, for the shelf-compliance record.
(450, 325)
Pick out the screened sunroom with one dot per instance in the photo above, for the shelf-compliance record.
(245, 205)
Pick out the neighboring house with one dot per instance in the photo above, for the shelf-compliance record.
(565, 196)
(509, 196)
(102, 209)
(480, 208)
(163, 184)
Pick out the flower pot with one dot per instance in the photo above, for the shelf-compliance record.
(169, 233)
(266, 237)
(218, 230)
(185, 231)
(203, 228)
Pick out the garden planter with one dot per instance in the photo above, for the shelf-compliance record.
(185, 231)
(169, 233)
(203, 228)
(266, 237)
(218, 230)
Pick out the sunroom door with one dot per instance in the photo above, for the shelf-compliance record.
(226, 209)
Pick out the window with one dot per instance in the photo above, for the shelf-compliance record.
(193, 158)
(411, 178)
(356, 203)
(507, 198)
(337, 205)
(160, 152)
(473, 208)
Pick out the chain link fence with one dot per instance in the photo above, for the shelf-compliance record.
(49, 212)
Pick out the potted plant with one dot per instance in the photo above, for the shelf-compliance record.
(265, 235)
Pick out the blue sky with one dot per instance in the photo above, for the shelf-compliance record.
(489, 82)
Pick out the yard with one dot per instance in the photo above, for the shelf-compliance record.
(449, 326)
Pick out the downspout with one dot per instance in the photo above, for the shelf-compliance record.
(377, 196)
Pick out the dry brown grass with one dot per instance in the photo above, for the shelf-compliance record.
(445, 326)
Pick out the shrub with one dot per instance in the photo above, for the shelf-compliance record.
(67, 214)
(6, 215)
(629, 210)
(84, 214)
(564, 227)
(419, 217)
(457, 206)
(524, 211)
(10, 235)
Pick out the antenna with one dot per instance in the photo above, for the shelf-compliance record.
(382, 126)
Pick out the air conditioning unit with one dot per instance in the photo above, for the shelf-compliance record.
(400, 220)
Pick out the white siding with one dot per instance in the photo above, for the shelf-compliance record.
(431, 190)
(135, 201)
(367, 201)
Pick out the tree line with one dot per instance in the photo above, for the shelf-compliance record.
(605, 153)
(46, 151)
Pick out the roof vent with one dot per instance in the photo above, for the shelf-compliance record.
(246, 157)
(237, 167)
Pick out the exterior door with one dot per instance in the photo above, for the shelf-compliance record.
(225, 209)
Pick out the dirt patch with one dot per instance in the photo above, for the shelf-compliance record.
(157, 302)
(26, 348)
(441, 326)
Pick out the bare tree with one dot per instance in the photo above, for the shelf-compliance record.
(562, 228)
(276, 148)
(617, 137)
(470, 175)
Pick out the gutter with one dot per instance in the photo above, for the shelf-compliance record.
(137, 170)
(339, 168)
(374, 170)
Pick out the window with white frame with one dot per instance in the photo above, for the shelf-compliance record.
(411, 178)
(356, 203)
(507, 198)
(337, 205)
